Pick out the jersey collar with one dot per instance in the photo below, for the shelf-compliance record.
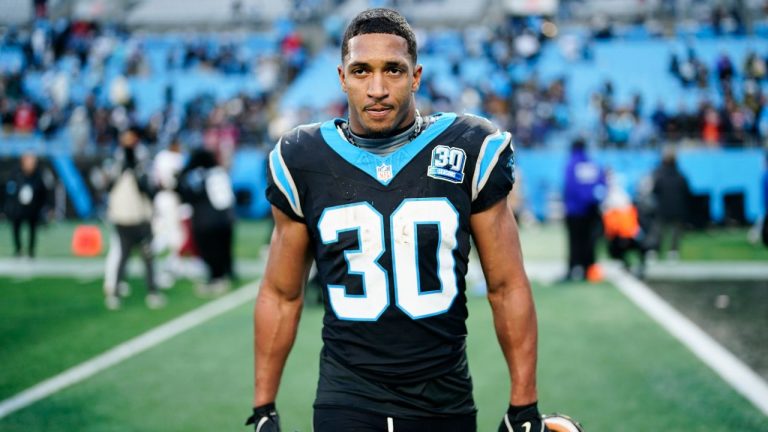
(383, 168)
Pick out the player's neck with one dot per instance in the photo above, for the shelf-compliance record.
(386, 145)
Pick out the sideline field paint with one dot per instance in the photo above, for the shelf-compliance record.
(129, 349)
(738, 375)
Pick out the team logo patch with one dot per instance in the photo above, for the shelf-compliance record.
(447, 164)
(384, 172)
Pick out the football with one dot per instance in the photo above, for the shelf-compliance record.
(561, 423)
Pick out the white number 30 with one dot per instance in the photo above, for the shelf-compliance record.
(369, 225)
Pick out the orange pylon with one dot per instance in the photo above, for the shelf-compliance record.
(86, 241)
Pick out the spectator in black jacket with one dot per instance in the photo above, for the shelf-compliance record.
(26, 195)
(206, 186)
(672, 194)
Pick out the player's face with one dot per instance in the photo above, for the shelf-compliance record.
(379, 79)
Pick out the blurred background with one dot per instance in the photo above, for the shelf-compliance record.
(630, 76)
(637, 82)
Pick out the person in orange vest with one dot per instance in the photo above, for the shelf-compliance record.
(621, 226)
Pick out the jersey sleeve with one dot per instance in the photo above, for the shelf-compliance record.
(282, 191)
(494, 172)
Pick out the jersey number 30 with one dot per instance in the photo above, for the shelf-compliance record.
(369, 225)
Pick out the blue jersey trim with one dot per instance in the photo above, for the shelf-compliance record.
(283, 180)
(368, 162)
(490, 158)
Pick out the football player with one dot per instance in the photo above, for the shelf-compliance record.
(385, 202)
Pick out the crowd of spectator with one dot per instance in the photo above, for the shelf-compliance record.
(731, 106)
(85, 95)
(739, 118)
(72, 80)
(57, 52)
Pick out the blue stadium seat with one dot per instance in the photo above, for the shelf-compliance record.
(148, 93)
(11, 59)
(33, 85)
(475, 70)
(446, 43)
(261, 43)
(760, 27)
(316, 86)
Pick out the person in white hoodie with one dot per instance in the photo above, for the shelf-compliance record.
(129, 209)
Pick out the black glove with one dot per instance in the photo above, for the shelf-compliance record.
(524, 418)
(265, 418)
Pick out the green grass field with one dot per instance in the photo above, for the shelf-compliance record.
(50, 324)
(601, 359)
(55, 239)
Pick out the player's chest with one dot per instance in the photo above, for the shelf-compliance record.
(327, 190)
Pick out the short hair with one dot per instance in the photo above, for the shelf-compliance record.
(379, 20)
(578, 144)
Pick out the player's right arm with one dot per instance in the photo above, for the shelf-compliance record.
(279, 303)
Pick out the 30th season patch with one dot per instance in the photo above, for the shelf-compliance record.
(447, 164)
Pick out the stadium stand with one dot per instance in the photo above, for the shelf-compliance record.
(617, 87)
(452, 13)
(15, 12)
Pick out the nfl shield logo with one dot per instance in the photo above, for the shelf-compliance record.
(384, 172)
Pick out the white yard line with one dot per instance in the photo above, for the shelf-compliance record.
(731, 369)
(738, 375)
(129, 349)
(696, 271)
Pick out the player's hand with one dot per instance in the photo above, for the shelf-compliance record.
(264, 418)
(523, 419)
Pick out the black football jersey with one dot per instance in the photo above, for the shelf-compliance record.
(391, 238)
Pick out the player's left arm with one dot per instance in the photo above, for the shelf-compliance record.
(509, 292)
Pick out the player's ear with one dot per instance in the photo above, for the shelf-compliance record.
(342, 75)
(416, 78)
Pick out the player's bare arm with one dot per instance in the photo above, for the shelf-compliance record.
(279, 303)
(509, 293)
